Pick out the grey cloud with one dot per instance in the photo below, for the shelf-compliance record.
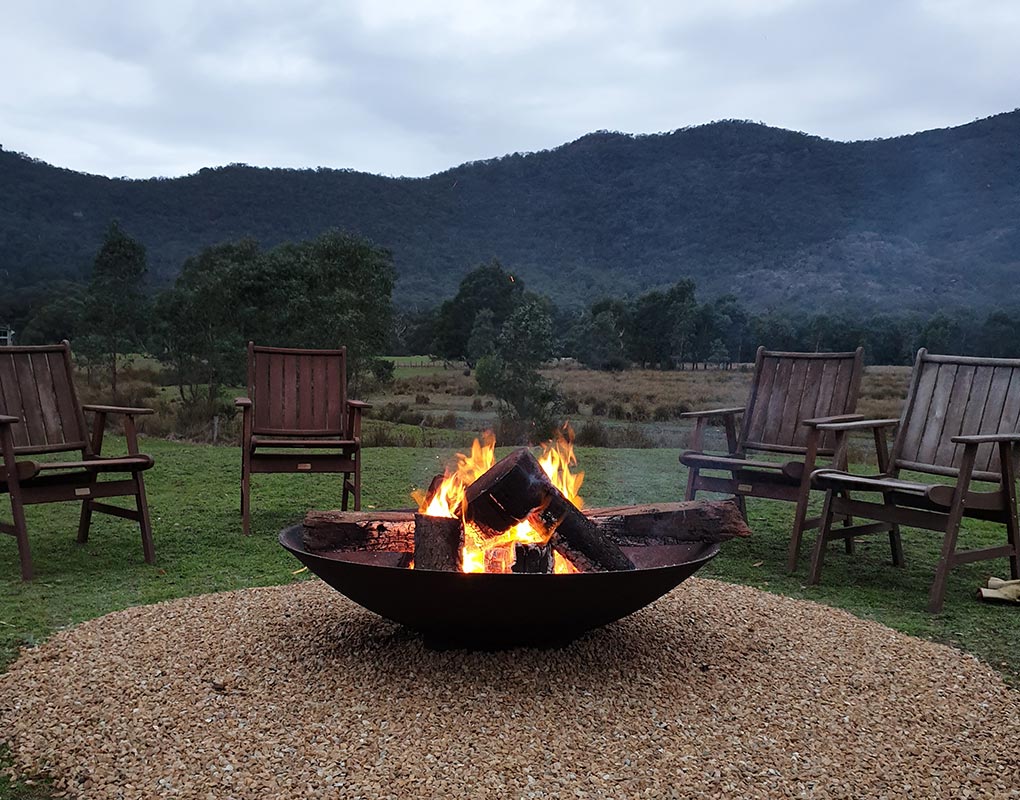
(410, 88)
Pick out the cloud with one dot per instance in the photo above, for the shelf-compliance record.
(413, 88)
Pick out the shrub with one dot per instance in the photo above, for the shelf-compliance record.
(592, 434)
(383, 370)
(422, 399)
(662, 413)
(599, 408)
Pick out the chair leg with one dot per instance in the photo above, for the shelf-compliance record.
(818, 555)
(144, 523)
(246, 495)
(799, 517)
(742, 505)
(954, 519)
(85, 518)
(345, 482)
(21, 534)
(896, 545)
(357, 481)
(1013, 536)
(692, 483)
(1009, 500)
(84, 521)
(848, 543)
(937, 595)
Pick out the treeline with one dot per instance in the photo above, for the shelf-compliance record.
(322, 292)
(337, 288)
(671, 329)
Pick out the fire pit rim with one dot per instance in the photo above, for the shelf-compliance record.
(290, 539)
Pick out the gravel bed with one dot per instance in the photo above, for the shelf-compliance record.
(714, 691)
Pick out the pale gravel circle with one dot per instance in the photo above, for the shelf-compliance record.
(714, 691)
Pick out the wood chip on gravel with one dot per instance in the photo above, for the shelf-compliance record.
(295, 692)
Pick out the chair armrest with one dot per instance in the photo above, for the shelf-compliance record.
(714, 412)
(814, 423)
(8, 420)
(358, 404)
(242, 402)
(983, 438)
(131, 412)
(858, 425)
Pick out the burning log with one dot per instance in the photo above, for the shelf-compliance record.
(438, 543)
(661, 523)
(532, 558)
(517, 485)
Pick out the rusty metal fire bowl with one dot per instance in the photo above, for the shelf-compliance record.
(500, 610)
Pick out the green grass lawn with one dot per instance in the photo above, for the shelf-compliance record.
(193, 493)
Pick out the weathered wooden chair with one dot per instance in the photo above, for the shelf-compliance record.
(792, 395)
(960, 420)
(297, 400)
(40, 413)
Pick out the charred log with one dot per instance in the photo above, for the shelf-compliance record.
(359, 530)
(672, 523)
(532, 558)
(438, 543)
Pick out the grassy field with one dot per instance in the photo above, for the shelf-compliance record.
(193, 494)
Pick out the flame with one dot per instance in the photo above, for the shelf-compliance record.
(448, 501)
(496, 553)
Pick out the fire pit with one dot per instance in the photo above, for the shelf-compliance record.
(501, 554)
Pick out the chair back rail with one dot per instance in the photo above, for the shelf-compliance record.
(790, 387)
(297, 392)
(37, 386)
(957, 396)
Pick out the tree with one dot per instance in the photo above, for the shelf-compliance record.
(483, 336)
(999, 336)
(528, 401)
(115, 308)
(941, 334)
(201, 324)
(57, 317)
(322, 293)
(598, 341)
(488, 286)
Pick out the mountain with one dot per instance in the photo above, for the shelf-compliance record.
(782, 219)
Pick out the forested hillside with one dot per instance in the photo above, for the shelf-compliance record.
(782, 219)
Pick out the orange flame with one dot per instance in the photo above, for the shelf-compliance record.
(496, 554)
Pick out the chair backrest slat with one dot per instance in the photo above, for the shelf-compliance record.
(297, 392)
(790, 387)
(37, 386)
(953, 396)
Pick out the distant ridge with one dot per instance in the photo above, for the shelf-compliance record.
(782, 219)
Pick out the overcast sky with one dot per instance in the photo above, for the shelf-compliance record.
(411, 88)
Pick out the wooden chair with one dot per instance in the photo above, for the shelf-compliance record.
(960, 421)
(792, 395)
(297, 400)
(40, 413)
